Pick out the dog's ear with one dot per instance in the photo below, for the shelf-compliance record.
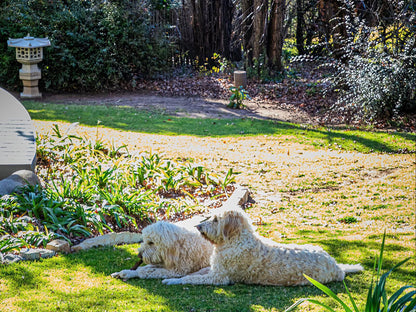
(233, 224)
(172, 257)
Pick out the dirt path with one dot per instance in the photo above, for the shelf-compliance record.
(191, 107)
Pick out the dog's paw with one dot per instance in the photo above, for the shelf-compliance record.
(114, 275)
(172, 281)
(125, 274)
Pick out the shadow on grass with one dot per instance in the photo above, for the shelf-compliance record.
(368, 251)
(104, 261)
(97, 291)
(158, 122)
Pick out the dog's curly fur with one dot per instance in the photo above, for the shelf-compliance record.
(240, 256)
(169, 251)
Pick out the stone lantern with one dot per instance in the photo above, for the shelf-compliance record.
(29, 52)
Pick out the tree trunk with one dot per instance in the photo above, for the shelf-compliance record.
(247, 29)
(259, 21)
(275, 35)
(211, 24)
(332, 16)
(300, 25)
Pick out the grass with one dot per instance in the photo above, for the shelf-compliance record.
(81, 282)
(404, 299)
(157, 122)
(314, 194)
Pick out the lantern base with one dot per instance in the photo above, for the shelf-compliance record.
(30, 96)
(30, 93)
(30, 89)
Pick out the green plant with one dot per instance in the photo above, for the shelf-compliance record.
(228, 179)
(11, 224)
(117, 41)
(374, 67)
(348, 220)
(377, 299)
(237, 97)
(198, 174)
(93, 188)
(36, 238)
(10, 244)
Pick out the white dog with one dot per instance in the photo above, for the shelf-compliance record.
(169, 251)
(240, 256)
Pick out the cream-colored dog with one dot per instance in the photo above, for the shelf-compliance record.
(240, 256)
(169, 251)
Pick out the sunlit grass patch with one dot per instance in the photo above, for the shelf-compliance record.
(128, 118)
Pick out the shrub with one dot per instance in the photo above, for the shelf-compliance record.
(237, 97)
(373, 68)
(377, 85)
(95, 44)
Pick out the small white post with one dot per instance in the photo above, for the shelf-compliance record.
(240, 79)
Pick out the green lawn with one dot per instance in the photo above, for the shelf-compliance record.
(130, 119)
(81, 281)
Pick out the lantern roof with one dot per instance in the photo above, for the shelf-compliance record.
(28, 42)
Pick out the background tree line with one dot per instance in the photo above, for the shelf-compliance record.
(109, 44)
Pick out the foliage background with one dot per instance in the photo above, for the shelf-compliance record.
(94, 44)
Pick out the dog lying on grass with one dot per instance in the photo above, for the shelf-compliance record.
(169, 251)
(240, 256)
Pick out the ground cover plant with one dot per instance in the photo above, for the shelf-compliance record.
(94, 188)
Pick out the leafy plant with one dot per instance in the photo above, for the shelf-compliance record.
(377, 299)
(117, 40)
(228, 179)
(92, 187)
(348, 220)
(10, 244)
(237, 97)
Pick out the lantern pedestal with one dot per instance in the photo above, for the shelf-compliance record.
(30, 75)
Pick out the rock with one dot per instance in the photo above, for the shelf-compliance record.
(11, 258)
(109, 240)
(17, 180)
(59, 245)
(36, 253)
(45, 253)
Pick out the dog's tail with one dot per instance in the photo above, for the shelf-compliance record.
(351, 268)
